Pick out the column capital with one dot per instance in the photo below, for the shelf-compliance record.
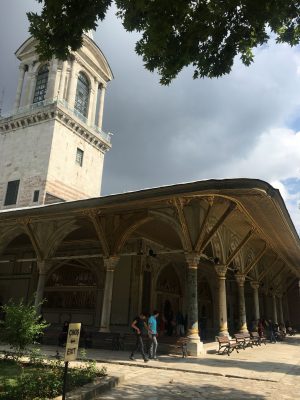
(110, 262)
(102, 85)
(240, 278)
(221, 270)
(254, 285)
(23, 67)
(192, 260)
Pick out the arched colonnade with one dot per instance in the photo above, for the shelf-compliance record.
(198, 254)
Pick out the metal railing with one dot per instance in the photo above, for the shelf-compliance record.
(26, 109)
(60, 102)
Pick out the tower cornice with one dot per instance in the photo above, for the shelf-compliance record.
(57, 110)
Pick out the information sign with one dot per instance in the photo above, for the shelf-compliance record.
(72, 342)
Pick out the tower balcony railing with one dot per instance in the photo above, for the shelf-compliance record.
(59, 102)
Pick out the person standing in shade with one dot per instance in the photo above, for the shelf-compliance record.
(152, 324)
(180, 323)
(139, 326)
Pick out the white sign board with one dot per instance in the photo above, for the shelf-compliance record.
(72, 342)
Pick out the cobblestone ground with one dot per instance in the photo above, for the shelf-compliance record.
(152, 384)
(280, 374)
(265, 372)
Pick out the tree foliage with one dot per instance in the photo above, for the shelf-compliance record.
(207, 34)
(22, 325)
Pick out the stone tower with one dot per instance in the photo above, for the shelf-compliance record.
(52, 145)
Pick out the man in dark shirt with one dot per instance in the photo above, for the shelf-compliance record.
(139, 325)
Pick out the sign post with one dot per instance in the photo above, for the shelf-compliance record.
(71, 351)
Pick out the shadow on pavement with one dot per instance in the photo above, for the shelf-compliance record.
(180, 390)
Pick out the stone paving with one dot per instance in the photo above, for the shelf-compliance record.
(265, 372)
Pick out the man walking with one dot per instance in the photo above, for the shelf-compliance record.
(152, 323)
(139, 325)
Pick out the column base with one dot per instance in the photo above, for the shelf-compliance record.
(104, 330)
(223, 333)
(195, 347)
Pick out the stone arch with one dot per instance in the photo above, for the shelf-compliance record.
(125, 231)
(73, 292)
(249, 256)
(129, 226)
(86, 73)
(17, 273)
(54, 237)
(233, 244)
(8, 236)
(216, 241)
(170, 221)
(217, 246)
(169, 293)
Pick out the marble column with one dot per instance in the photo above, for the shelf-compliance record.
(101, 106)
(51, 80)
(29, 87)
(109, 265)
(255, 286)
(22, 70)
(221, 273)
(93, 102)
(194, 346)
(72, 85)
(99, 296)
(39, 295)
(240, 279)
(61, 87)
(281, 317)
(275, 319)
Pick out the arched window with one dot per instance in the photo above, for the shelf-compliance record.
(41, 84)
(82, 95)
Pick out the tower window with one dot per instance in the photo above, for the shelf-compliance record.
(41, 84)
(12, 193)
(36, 195)
(79, 156)
(82, 95)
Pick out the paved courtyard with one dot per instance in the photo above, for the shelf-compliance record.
(266, 372)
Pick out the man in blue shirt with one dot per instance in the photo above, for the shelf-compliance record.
(152, 324)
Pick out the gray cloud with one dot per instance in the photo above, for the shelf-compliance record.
(190, 130)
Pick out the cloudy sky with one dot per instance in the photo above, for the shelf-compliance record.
(246, 124)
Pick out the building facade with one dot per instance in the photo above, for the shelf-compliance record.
(223, 253)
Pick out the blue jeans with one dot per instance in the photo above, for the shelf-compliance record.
(153, 347)
(272, 337)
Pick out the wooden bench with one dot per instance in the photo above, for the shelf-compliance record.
(243, 340)
(258, 340)
(249, 340)
(227, 345)
(179, 344)
(182, 344)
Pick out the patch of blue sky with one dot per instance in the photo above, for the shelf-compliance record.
(292, 184)
(293, 123)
